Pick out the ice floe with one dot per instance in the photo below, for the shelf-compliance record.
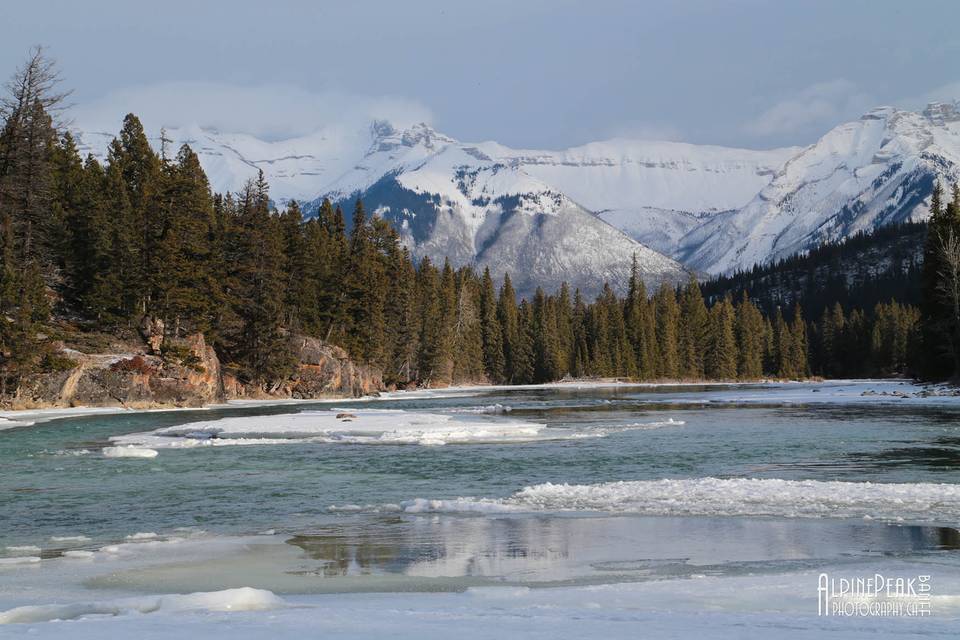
(129, 451)
(23, 550)
(915, 502)
(356, 426)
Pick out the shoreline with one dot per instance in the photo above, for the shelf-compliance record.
(16, 418)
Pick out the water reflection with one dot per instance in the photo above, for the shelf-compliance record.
(564, 550)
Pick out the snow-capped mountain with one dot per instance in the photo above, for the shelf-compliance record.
(459, 201)
(655, 192)
(580, 214)
(861, 175)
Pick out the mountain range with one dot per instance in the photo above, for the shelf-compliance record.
(582, 213)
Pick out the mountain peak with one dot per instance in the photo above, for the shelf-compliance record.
(386, 137)
(941, 112)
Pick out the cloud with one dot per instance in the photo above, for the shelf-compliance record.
(949, 92)
(648, 131)
(819, 106)
(269, 111)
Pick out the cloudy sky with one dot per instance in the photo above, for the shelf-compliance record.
(550, 73)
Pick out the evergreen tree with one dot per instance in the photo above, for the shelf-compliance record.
(799, 346)
(695, 331)
(491, 333)
(263, 349)
(782, 360)
(524, 363)
(468, 362)
(509, 328)
(721, 357)
(750, 340)
(667, 321)
(403, 319)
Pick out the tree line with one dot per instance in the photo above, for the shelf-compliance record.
(104, 246)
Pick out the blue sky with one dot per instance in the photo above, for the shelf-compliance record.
(525, 73)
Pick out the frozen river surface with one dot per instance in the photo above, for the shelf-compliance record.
(559, 511)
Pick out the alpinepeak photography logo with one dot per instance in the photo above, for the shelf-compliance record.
(876, 595)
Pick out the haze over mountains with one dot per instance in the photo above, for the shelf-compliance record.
(580, 214)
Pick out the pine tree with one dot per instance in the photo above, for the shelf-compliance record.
(580, 358)
(491, 333)
(142, 173)
(403, 319)
(264, 348)
(939, 324)
(831, 341)
(185, 292)
(523, 354)
(695, 331)
(364, 292)
(799, 347)
(667, 321)
(509, 328)
(782, 344)
(721, 357)
(300, 290)
(468, 363)
(750, 340)
(28, 141)
(546, 342)
(432, 355)
(638, 321)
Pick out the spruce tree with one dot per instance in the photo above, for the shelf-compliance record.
(523, 353)
(509, 328)
(799, 351)
(492, 336)
(721, 357)
(750, 340)
(695, 331)
(264, 348)
(667, 321)
(468, 362)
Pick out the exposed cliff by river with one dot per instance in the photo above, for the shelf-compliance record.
(186, 372)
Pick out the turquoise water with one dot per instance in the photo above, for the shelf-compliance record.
(55, 482)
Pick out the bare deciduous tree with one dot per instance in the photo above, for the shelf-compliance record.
(948, 286)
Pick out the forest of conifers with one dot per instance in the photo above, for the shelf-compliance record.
(98, 247)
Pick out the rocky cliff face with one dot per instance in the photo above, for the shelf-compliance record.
(187, 373)
(322, 370)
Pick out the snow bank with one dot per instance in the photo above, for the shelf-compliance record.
(17, 560)
(919, 502)
(241, 599)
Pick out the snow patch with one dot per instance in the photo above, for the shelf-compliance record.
(241, 599)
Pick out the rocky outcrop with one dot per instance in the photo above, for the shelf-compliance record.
(189, 374)
(321, 370)
(326, 370)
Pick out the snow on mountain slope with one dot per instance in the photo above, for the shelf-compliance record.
(451, 200)
(653, 191)
(860, 175)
